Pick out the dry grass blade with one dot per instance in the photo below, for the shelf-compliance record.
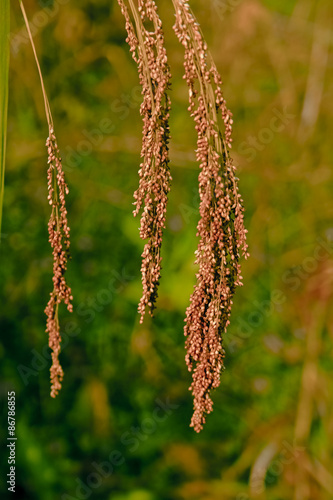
(4, 67)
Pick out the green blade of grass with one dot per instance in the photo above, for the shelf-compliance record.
(4, 67)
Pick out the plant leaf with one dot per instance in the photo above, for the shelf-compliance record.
(4, 68)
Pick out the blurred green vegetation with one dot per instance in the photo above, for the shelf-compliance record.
(270, 434)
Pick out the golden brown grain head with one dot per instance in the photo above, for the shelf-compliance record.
(58, 234)
(147, 48)
(220, 228)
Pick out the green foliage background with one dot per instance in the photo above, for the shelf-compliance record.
(270, 435)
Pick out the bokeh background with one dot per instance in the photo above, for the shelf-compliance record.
(119, 430)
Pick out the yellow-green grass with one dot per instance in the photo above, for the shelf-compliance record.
(4, 66)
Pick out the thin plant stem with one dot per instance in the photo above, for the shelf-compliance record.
(46, 101)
